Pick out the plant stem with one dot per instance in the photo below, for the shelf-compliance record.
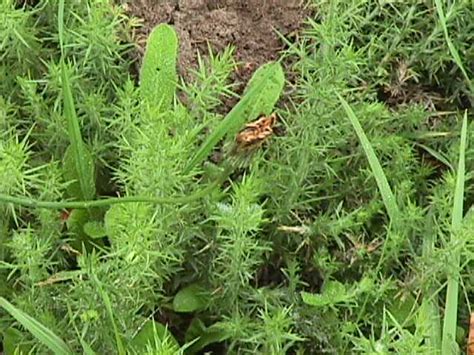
(30, 202)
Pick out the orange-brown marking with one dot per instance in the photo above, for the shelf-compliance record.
(470, 339)
(255, 133)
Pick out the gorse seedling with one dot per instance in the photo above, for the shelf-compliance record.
(130, 224)
(211, 82)
(143, 256)
(239, 251)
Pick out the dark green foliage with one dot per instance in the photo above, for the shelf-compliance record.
(335, 236)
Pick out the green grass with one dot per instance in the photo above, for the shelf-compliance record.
(452, 291)
(43, 334)
(349, 232)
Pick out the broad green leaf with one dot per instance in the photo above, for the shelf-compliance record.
(264, 102)
(95, 229)
(76, 221)
(333, 292)
(158, 76)
(191, 299)
(75, 225)
(39, 331)
(79, 164)
(195, 330)
(149, 334)
(261, 95)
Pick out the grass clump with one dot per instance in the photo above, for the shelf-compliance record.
(129, 225)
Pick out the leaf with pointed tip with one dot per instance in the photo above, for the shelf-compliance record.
(261, 95)
(39, 331)
(78, 162)
(333, 293)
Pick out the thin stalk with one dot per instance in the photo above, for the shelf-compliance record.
(448, 345)
(452, 49)
(108, 307)
(430, 300)
(32, 203)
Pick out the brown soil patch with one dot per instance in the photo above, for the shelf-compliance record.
(248, 25)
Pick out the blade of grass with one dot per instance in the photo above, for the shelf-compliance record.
(452, 48)
(61, 26)
(263, 92)
(108, 307)
(382, 183)
(448, 345)
(430, 305)
(436, 155)
(87, 349)
(39, 331)
(79, 156)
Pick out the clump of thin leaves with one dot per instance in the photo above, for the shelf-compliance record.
(128, 226)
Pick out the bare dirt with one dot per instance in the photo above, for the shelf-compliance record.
(249, 25)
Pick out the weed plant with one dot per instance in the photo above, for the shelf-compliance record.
(351, 232)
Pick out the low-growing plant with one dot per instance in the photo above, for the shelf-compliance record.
(131, 223)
